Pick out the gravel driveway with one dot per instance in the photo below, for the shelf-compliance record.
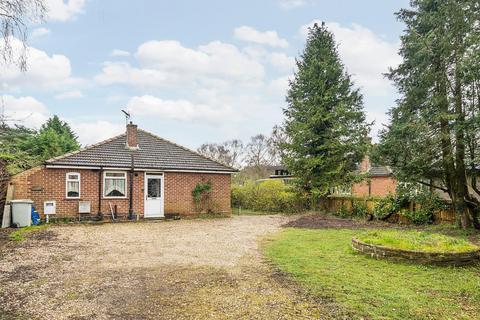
(192, 269)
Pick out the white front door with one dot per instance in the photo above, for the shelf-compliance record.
(154, 195)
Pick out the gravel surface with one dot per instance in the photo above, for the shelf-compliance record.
(192, 269)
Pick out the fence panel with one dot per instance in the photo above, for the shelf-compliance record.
(345, 204)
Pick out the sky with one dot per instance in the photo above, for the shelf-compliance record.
(191, 71)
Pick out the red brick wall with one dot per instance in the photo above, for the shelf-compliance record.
(179, 186)
(41, 184)
(379, 187)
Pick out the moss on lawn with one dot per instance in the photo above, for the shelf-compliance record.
(19, 235)
(416, 241)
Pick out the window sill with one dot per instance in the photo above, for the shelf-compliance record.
(115, 198)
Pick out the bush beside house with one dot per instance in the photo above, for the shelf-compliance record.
(269, 196)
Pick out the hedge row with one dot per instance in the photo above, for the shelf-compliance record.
(268, 196)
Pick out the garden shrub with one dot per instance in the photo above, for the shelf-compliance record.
(385, 207)
(419, 216)
(426, 204)
(343, 212)
(202, 197)
(359, 209)
(268, 196)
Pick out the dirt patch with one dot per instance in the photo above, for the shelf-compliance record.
(197, 269)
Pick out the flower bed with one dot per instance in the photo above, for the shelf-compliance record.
(416, 247)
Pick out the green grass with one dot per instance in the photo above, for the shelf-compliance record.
(416, 240)
(323, 261)
(19, 235)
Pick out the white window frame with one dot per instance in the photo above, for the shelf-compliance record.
(126, 184)
(67, 180)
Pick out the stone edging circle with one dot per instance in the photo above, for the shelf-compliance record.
(419, 257)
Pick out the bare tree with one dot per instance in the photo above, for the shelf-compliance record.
(236, 151)
(277, 139)
(258, 151)
(229, 153)
(15, 16)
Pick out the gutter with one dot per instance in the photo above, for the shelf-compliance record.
(51, 166)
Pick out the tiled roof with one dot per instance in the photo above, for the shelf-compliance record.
(376, 171)
(154, 153)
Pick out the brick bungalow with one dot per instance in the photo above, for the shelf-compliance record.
(135, 173)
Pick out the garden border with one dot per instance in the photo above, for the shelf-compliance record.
(419, 257)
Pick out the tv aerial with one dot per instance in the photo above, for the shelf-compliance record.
(127, 115)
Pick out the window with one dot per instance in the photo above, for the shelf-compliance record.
(73, 185)
(114, 184)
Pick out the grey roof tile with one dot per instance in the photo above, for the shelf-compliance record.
(154, 153)
(379, 171)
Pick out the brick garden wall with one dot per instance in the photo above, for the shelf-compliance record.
(419, 257)
(41, 184)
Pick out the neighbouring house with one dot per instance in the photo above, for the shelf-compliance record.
(136, 173)
(272, 172)
(379, 180)
(278, 172)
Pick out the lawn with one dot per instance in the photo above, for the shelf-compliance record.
(416, 240)
(323, 261)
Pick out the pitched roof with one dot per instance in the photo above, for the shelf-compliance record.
(379, 171)
(154, 153)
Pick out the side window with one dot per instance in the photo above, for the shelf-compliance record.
(73, 185)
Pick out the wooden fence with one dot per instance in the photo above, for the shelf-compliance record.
(338, 203)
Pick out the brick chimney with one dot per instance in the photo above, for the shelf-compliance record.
(365, 164)
(132, 142)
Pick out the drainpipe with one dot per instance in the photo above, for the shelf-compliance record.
(130, 203)
(100, 191)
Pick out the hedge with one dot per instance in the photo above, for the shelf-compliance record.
(268, 196)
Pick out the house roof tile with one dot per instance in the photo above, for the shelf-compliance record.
(378, 171)
(154, 153)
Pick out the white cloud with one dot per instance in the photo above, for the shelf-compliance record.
(291, 4)
(269, 38)
(178, 110)
(26, 111)
(168, 63)
(60, 10)
(69, 95)
(119, 53)
(366, 55)
(90, 132)
(32, 113)
(279, 86)
(40, 32)
(43, 71)
(281, 61)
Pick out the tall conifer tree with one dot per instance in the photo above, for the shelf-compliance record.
(325, 122)
(434, 134)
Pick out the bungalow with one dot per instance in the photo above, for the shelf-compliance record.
(134, 174)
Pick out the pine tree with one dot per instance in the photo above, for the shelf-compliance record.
(54, 138)
(434, 135)
(325, 127)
